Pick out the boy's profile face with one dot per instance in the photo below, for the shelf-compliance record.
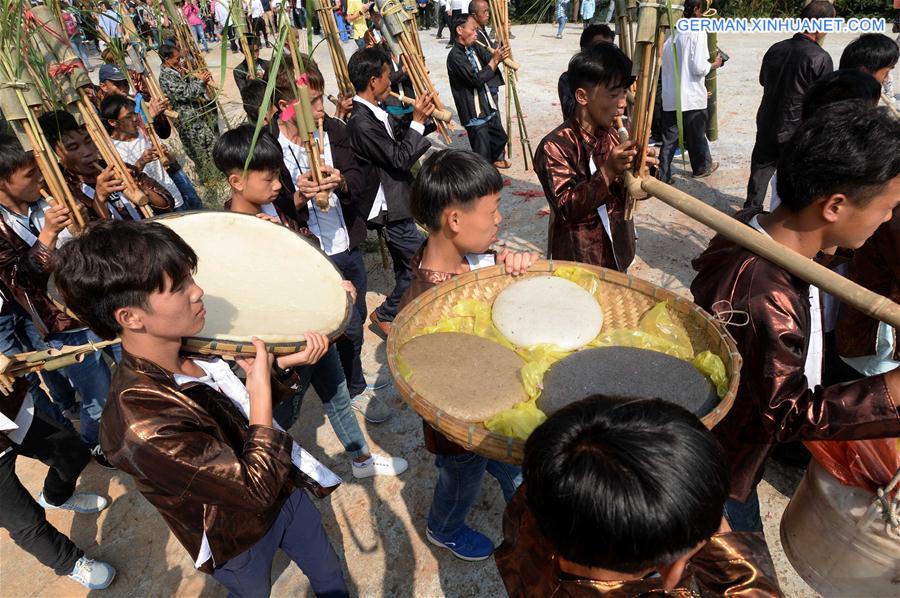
(256, 186)
(603, 103)
(175, 312)
(475, 226)
(853, 225)
(128, 122)
(77, 152)
(25, 183)
(318, 106)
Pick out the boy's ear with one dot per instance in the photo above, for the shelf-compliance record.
(832, 206)
(581, 96)
(128, 318)
(451, 219)
(236, 181)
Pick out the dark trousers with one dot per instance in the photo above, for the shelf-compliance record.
(762, 166)
(403, 241)
(353, 268)
(20, 514)
(453, 16)
(259, 29)
(488, 140)
(232, 40)
(299, 533)
(424, 21)
(442, 21)
(694, 141)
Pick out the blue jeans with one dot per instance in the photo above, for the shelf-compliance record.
(744, 516)
(349, 346)
(200, 36)
(80, 50)
(327, 377)
(186, 188)
(458, 486)
(90, 378)
(562, 25)
(299, 533)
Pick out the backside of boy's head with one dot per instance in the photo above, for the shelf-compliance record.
(116, 264)
(596, 34)
(873, 53)
(601, 64)
(452, 178)
(843, 148)
(626, 485)
(232, 148)
(838, 86)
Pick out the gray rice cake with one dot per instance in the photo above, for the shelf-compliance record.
(466, 376)
(626, 372)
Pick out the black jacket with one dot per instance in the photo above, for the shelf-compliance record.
(484, 38)
(240, 72)
(788, 69)
(384, 160)
(465, 82)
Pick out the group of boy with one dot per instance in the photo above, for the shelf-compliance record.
(210, 451)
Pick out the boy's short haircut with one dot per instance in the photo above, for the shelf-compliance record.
(232, 148)
(112, 105)
(870, 51)
(166, 51)
(818, 9)
(624, 484)
(285, 90)
(119, 263)
(451, 177)
(365, 64)
(603, 64)
(252, 97)
(56, 124)
(843, 148)
(592, 32)
(840, 85)
(12, 156)
(461, 20)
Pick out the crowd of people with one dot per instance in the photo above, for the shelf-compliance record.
(614, 497)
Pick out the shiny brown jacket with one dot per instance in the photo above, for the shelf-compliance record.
(730, 564)
(876, 266)
(562, 164)
(144, 182)
(193, 455)
(774, 402)
(25, 273)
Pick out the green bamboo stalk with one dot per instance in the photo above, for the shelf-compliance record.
(712, 112)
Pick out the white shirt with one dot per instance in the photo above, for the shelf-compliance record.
(256, 9)
(131, 152)
(223, 15)
(816, 349)
(380, 203)
(693, 60)
(218, 375)
(462, 5)
(329, 227)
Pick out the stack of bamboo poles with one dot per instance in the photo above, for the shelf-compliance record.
(401, 43)
(653, 22)
(500, 25)
(19, 100)
(624, 28)
(47, 36)
(325, 10)
(22, 364)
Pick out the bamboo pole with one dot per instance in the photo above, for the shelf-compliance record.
(325, 9)
(711, 81)
(869, 303)
(442, 115)
(887, 102)
(508, 61)
(22, 364)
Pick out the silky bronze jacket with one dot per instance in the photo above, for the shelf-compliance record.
(730, 564)
(193, 455)
(562, 163)
(774, 402)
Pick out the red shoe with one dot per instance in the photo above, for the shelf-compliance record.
(383, 328)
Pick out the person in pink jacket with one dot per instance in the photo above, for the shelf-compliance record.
(191, 13)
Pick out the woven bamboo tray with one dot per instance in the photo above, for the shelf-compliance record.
(624, 300)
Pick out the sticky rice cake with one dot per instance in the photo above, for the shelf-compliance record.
(626, 372)
(466, 376)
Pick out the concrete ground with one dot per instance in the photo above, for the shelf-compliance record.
(378, 525)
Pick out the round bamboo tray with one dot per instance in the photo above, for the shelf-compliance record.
(624, 300)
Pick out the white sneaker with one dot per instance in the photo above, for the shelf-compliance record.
(372, 408)
(94, 575)
(378, 465)
(78, 502)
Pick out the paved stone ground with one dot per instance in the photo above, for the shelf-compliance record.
(379, 525)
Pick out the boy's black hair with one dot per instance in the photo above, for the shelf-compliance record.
(119, 263)
(461, 20)
(166, 51)
(603, 64)
(592, 32)
(12, 156)
(112, 105)
(365, 64)
(252, 98)
(624, 484)
(818, 9)
(448, 178)
(690, 5)
(840, 85)
(232, 148)
(56, 124)
(843, 148)
(870, 51)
